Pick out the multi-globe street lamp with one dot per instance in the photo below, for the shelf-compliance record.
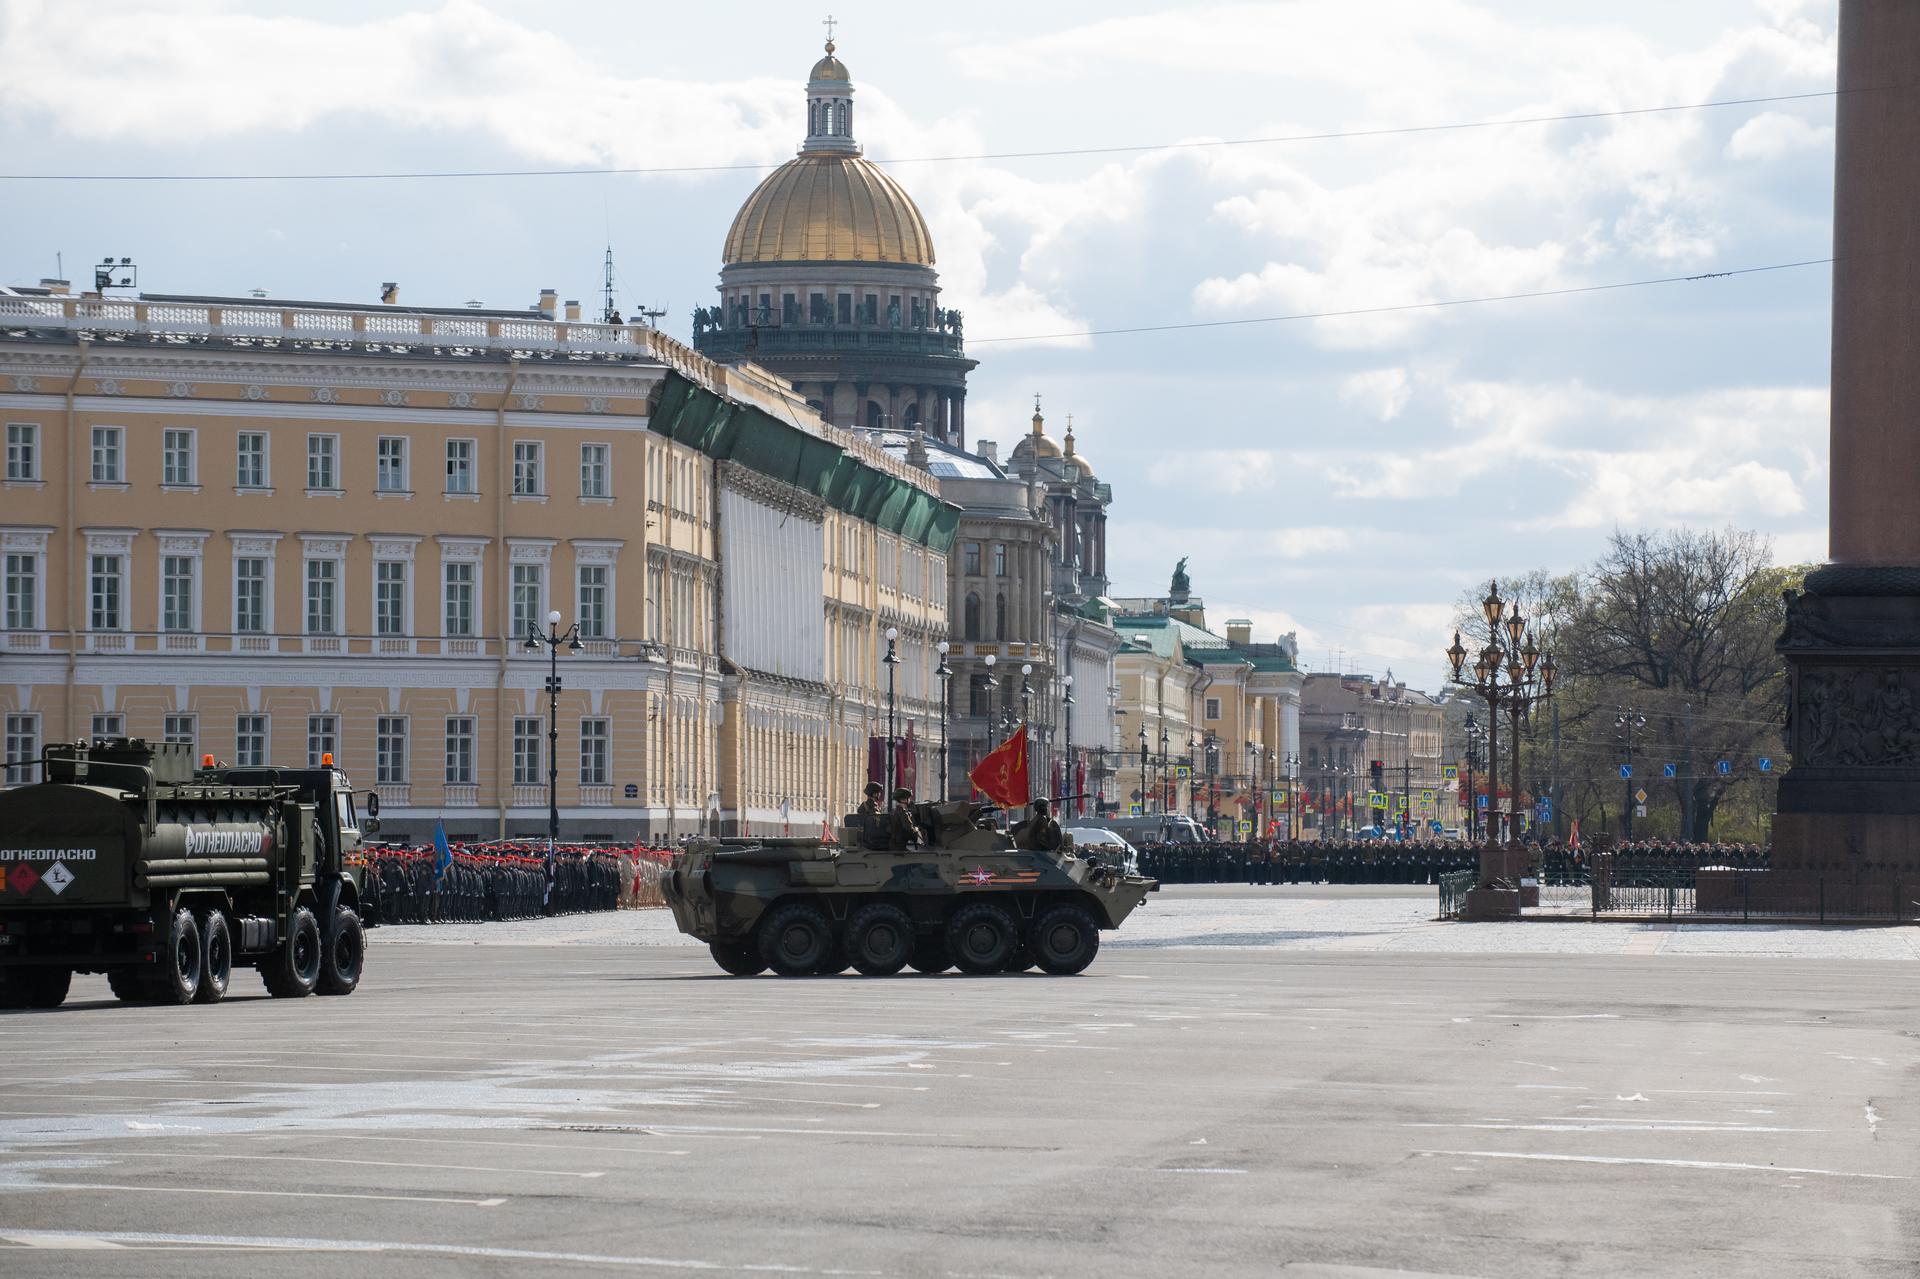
(891, 660)
(1066, 763)
(1530, 675)
(1475, 734)
(553, 639)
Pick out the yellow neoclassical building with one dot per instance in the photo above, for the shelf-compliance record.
(280, 529)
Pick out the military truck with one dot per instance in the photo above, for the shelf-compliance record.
(969, 899)
(127, 860)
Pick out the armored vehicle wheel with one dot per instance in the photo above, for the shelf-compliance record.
(1021, 959)
(344, 955)
(980, 937)
(290, 972)
(879, 939)
(1065, 940)
(129, 986)
(742, 959)
(182, 961)
(836, 962)
(35, 988)
(930, 955)
(216, 944)
(795, 939)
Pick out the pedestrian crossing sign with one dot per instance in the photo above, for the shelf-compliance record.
(1426, 799)
(1450, 772)
(1133, 810)
(1183, 770)
(1376, 799)
(1244, 826)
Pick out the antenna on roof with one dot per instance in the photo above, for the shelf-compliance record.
(607, 314)
(115, 275)
(652, 314)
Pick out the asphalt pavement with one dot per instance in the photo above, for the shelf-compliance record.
(527, 1109)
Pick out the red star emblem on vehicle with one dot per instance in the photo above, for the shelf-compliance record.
(979, 875)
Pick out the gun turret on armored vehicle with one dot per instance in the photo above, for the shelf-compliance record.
(126, 860)
(967, 898)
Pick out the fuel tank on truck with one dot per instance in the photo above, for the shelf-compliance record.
(67, 846)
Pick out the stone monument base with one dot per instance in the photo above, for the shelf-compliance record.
(1800, 894)
(1483, 904)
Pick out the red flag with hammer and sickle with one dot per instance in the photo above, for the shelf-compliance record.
(1002, 775)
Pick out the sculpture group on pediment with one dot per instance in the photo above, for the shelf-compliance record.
(1858, 717)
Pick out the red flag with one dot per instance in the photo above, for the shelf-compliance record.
(1573, 840)
(1002, 775)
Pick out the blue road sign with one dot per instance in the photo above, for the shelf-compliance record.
(1669, 770)
(1480, 802)
(1545, 809)
(1626, 772)
(1766, 765)
(1722, 767)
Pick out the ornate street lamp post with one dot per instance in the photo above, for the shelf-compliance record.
(553, 639)
(1624, 723)
(1530, 675)
(891, 660)
(944, 674)
(1066, 728)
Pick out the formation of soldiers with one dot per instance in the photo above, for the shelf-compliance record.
(408, 885)
(1410, 862)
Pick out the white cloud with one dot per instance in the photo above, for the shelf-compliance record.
(1383, 393)
(1773, 134)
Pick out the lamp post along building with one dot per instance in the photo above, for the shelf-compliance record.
(279, 530)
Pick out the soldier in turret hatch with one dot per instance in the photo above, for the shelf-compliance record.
(1039, 831)
(871, 818)
(902, 831)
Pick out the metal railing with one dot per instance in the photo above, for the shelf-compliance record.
(1454, 886)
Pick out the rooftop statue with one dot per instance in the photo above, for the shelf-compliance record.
(1182, 585)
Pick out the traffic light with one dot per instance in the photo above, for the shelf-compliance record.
(1379, 773)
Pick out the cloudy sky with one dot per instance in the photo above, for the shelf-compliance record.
(1344, 478)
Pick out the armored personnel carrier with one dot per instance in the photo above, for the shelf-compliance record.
(968, 899)
(127, 860)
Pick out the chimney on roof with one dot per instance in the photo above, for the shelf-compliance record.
(549, 299)
(988, 450)
(59, 288)
(573, 310)
(1239, 632)
(389, 293)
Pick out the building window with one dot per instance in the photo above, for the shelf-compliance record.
(390, 597)
(250, 595)
(972, 559)
(176, 456)
(109, 725)
(972, 627)
(999, 560)
(593, 470)
(323, 739)
(526, 751)
(179, 730)
(979, 695)
(529, 581)
(250, 741)
(323, 583)
(250, 460)
(23, 451)
(176, 592)
(846, 308)
(871, 309)
(596, 736)
(1213, 708)
(323, 462)
(390, 750)
(390, 464)
(526, 467)
(460, 466)
(23, 744)
(592, 606)
(1000, 617)
(459, 597)
(460, 750)
(103, 593)
(23, 591)
(109, 453)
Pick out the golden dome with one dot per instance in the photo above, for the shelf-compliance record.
(1036, 444)
(1072, 454)
(829, 67)
(828, 207)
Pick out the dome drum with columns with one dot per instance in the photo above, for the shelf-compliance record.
(828, 280)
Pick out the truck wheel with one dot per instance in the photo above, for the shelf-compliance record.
(129, 986)
(837, 960)
(290, 973)
(47, 987)
(742, 959)
(879, 939)
(1065, 940)
(1021, 959)
(930, 955)
(182, 962)
(345, 954)
(216, 944)
(980, 937)
(795, 939)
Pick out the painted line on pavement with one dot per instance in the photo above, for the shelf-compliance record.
(16, 1187)
(177, 1153)
(1703, 1164)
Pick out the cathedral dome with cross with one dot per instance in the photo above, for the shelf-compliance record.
(827, 278)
